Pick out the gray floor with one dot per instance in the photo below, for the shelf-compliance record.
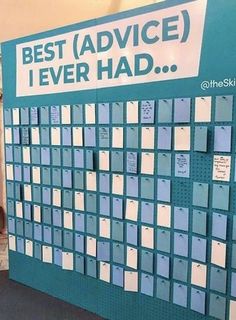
(18, 302)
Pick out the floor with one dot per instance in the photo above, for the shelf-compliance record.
(20, 302)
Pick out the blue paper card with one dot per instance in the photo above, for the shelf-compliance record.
(34, 115)
(182, 110)
(16, 135)
(200, 139)
(132, 162)
(103, 113)
(164, 138)
(103, 251)
(181, 218)
(224, 108)
(164, 164)
(25, 137)
(148, 112)
(55, 115)
(90, 137)
(220, 198)
(104, 137)
(182, 165)
(222, 140)
(117, 276)
(45, 156)
(180, 295)
(165, 111)
(147, 212)
(163, 190)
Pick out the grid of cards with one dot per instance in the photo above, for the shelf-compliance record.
(98, 189)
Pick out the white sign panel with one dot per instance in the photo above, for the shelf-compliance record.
(156, 46)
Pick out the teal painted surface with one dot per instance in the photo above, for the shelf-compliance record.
(217, 62)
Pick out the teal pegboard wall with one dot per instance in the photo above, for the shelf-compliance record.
(111, 301)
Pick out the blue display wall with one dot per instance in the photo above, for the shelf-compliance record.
(120, 162)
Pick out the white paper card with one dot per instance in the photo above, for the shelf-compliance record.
(56, 196)
(56, 136)
(105, 271)
(29, 248)
(79, 201)
(218, 253)
(132, 257)
(232, 315)
(105, 228)
(10, 174)
(148, 137)
(27, 192)
(26, 154)
(47, 254)
(68, 220)
(118, 184)
(19, 209)
(36, 175)
(35, 139)
(91, 246)
(199, 273)
(182, 138)
(131, 212)
(16, 116)
(147, 163)
(147, 237)
(67, 261)
(221, 168)
(90, 113)
(117, 137)
(37, 213)
(12, 242)
(104, 163)
(78, 136)
(164, 215)
(131, 281)
(8, 135)
(91, 181)
(65, 114)
(132, 111)
(203, 109)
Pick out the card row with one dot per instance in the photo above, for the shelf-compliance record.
(130, 255)
(114, 161)
(78, 136)
(161, 215)
(120, 231)
(120, 186)
(168, 110)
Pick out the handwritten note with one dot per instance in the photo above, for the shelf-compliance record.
(34, 115)
(147, 111)
(182, 165)
(221, 168)
(25, 135)
(55, 115)
(132, 161)
(104, 137)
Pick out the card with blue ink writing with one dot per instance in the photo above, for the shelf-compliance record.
(182, 165)
(104, 137)
(25, 136)
(148, 112)
(221, 168)
(132, 162)
(34, 115)
(55, 115)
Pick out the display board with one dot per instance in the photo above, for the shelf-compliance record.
(120, 162)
